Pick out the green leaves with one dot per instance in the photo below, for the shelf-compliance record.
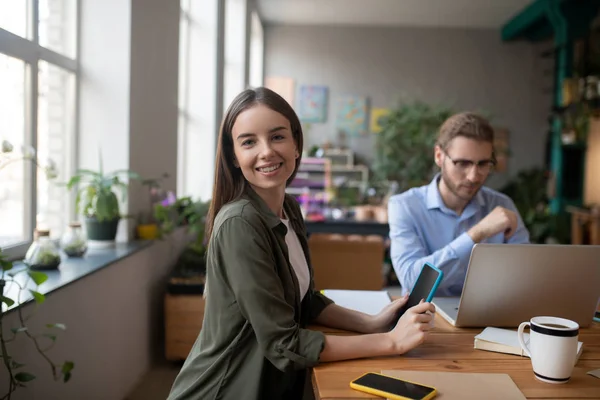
(20, 379)
(6, 265)
(404, 147)
(50, 336)
(24, 377)
(66, 369)
(37, 296)
(106, 205)
(7, 300)
(37, 277)
(97, 196)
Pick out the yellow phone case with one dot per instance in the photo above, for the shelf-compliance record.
(381, 393)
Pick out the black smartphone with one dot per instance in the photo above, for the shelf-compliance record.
(392, 388)
(427, 283)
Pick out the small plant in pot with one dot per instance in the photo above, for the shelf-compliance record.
(97, 201)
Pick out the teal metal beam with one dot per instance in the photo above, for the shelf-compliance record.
(533, 22)
(564, 21)
(520, 24)
(563, 68)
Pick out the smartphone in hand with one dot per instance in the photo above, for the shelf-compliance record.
(427, 283)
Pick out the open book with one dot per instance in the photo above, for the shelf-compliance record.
(366, 301)
(505, 341)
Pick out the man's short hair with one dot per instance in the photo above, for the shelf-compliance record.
(466, 124)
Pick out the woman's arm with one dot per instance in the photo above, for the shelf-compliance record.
(338, 317)
(410, 331)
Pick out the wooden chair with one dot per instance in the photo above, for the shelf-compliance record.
(352, 262)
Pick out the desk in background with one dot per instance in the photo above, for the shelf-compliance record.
(348, 227)
(451, 349)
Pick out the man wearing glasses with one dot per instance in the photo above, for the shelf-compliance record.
(440, 223)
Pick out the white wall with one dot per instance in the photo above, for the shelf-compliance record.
(468, 69)
(104, 99)
(153, 95)
(128, 93)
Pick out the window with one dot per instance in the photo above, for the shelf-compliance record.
(15, 16)
(256, 51)
(38, 77)
(58, 25)
(235, 45)
(197, 93)
(13, 228)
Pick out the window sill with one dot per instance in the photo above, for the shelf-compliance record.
(69, 271)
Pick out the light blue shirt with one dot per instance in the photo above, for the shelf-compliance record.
(423, 229)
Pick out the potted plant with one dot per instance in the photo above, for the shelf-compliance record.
(404, 146)
(97, 201)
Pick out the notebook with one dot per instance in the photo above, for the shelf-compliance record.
(462, 385)
(505, 341)
(366, 301)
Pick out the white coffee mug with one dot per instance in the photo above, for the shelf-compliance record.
(552, 347)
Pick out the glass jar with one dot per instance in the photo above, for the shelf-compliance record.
(43, 253)
(74, 242)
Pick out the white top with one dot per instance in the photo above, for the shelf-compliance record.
(297, 258)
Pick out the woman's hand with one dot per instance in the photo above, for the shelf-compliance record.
(388, 317)
(413, 327)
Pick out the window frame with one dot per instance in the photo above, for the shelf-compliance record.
(31, 53)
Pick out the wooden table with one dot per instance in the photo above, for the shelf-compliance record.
(451, 349)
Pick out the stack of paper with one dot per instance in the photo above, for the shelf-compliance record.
(505, 341)
(462, 385)
(366, 301)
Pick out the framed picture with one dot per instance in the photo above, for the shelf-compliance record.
(351, 117)
(312, 103)
(378, 116)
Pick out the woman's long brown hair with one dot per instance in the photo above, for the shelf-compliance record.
(229, 182)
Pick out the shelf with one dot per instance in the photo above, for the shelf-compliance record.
(575, 146)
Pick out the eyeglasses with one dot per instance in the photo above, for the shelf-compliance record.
(483, 166)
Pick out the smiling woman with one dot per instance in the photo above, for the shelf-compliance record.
(260, 295)
(259, 127)
(266, 152)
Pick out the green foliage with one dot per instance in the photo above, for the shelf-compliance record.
(404, 147)
(96, 196)
(576, 118)
(22, 377)
(183, 212)
(528, 191)
(193, 215)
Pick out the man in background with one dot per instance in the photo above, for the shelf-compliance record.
(440, 223)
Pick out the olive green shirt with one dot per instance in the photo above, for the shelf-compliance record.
(253, 343)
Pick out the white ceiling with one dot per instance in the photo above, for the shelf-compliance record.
(427, 13)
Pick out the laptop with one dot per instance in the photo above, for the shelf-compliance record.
(507, 284)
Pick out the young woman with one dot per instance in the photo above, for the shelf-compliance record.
(259, 293)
